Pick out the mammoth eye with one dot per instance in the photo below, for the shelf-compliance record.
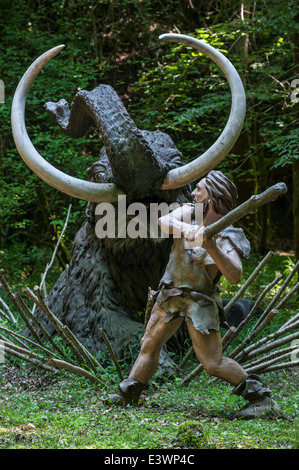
(99, 175)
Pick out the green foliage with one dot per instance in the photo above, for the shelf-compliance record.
(285, 147)
(186, 95)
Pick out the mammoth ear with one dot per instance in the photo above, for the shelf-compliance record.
(86, 190)
(199, 167)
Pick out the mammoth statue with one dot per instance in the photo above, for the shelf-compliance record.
(107, 281)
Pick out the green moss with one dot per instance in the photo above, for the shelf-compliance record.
(191, 435)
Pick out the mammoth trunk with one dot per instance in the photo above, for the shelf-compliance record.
(135, 166)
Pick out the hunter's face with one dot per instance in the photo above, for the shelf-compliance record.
(200, 192)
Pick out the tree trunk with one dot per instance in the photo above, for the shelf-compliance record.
(263, 212)
(296, 206)
(296, 162)
(247, 182)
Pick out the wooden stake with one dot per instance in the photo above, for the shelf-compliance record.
(283, 365)
(290, 321)
(227, 338)
(187, 356)
(266, 364)
(13, 335)
(38, 324)
(250, 279)
(279, 293)
(19, 310)
(268, 347)
(192, 374)
(4, 315)
(13, 352)
(262, 324)
(91, 361)
(42, 284)
(75, 370)
(16, 336)
(272, 355)
(6, 307)
(78, 349)
(112, 353)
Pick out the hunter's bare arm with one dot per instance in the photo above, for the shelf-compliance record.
(230, 265)
(175, 223)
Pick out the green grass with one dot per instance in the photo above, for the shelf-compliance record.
(70, 413)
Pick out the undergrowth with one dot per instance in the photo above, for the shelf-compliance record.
(42, 411)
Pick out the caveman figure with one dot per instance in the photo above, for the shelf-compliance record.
(188, 290)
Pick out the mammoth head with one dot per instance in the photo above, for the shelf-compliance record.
(136, 161)
(122, 139)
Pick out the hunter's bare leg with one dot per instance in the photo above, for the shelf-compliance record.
(208, 349)
(156, 335)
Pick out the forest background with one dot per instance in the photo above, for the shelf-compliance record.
(166, 87)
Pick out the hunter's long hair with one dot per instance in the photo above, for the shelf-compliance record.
(223, 192)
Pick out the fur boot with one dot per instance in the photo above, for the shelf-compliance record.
(258, 396)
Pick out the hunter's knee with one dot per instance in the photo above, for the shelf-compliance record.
(211, 367)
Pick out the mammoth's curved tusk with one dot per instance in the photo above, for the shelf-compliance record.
(86, 190)
(208, 160)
